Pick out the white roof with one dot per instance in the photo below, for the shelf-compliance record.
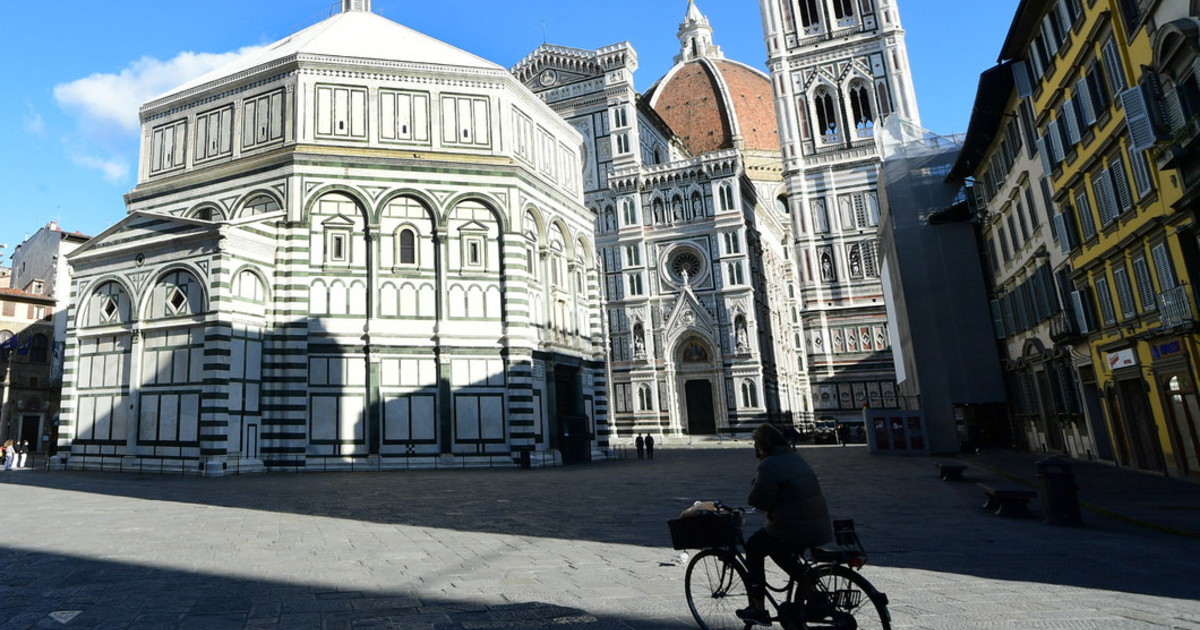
(350, 34)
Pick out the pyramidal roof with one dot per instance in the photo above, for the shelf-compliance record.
(353, 33)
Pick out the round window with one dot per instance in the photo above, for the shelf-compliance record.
(685, 265)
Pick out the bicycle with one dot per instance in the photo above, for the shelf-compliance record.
(830, 594)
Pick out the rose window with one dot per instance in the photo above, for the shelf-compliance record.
(685, 266)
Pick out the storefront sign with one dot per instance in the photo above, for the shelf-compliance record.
(1166, 348)
(1121, 359)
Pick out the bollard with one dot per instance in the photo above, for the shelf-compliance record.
(1060, 503)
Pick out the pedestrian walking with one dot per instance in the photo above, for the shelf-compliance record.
(843, 433)
(22, 453)
(10, 453)
(640, 444)
(649, 446)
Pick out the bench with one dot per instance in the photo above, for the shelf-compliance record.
(1007, 500)
(949, 471)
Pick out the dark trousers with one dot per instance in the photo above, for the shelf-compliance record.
(761, 546)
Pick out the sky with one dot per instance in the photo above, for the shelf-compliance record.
(77, 71)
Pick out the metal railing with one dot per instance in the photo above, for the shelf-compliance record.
(1175, 307)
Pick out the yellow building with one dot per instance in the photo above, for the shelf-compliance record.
(1080, 63)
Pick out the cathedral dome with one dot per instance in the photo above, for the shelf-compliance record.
(713, 103)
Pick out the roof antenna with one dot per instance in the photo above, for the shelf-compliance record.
(544, 39)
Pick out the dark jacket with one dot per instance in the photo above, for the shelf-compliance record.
(787, 489)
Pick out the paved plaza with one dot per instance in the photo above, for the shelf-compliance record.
(577, 547)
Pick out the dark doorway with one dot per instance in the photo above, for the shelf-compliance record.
(574, 435)
(701, 420)
(1143, 434)
(30, 426)
(1054, 436)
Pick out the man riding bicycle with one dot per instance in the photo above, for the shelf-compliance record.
(787, 489)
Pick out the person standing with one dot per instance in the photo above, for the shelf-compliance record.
(843, 433)
(22, 453)
(640, 444)
(10, 454)
(649, 446)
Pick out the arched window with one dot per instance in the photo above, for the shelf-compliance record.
(843, 9)
(645, 398)
(749, 393)
(108, 305)
(827, 118)
(726, 194)
(260, 204)
(860, 106)
(406, 247)
(177, 294)
(629, 212)
(884, 98)
(809, 13)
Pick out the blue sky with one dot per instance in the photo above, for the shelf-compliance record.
(78, 70)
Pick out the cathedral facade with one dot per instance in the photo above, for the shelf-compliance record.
(692, 233)
(356, 248)
(838, 68)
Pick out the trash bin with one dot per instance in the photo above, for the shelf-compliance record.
(1060, 503)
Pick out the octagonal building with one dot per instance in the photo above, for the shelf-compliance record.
(357, 247)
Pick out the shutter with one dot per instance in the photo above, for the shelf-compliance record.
(1162, 266)
(1113, 69)
(1072, 123)
(997, 319)
(1078, 309)
(1107, 313)
(1056, 148)
(1083, 96)
(1102, 186)
(1045, 153)
(1120, 184)
(1174, 111)
(1141, 274)
(1060, 226)
(1064, 17)
(1138, 119)
(1048, 36)
(1141, 173)
(1024, 80)
(1124, 293)
(1084, 209)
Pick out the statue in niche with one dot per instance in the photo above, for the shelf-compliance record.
(743, 341)
(639, 342)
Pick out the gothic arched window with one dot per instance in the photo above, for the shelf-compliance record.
(827, 118)
(406, 247)
(860, 106)
(843, 9)
(809, 13)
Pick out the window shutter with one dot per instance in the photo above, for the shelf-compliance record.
(1064, 16)
(1102, 186)
(1162, 266)
(1138, 119)
(1124, 292)
(1174, 110)
(1107, 313)
(1045, 152)
(1060, 226)
(1083, 96)
(1078, 308)
(1141, 275)
(997, 319)
(1120, 184)
(1024, 80)
(1072, 123)
(1085, 214)
(1141, 173)
(1113, 69)
(1056, 147)
(1048, 36)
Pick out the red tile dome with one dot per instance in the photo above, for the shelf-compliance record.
(711, 102)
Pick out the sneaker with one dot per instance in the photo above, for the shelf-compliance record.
(756, 616)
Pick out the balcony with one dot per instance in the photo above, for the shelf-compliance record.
(1175, 307)
(1063, 329)
(1182, 145)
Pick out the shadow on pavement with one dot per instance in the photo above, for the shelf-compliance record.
(907, 517)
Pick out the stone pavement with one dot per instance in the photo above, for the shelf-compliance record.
(578, 547)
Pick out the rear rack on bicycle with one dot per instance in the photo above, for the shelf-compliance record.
(711, 529)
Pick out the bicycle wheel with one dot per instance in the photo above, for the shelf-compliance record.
(715, 583)
(842, 599)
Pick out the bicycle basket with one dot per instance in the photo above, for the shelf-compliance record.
(706, 530)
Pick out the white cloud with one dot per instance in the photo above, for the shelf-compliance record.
(113, 169)
(113, 99)
(34, 123)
